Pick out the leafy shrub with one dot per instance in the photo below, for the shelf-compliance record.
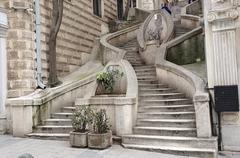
(107, 79)
(101, 122)
(82, 117)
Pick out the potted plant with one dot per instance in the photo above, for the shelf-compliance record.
(107, 79)
(101, 136)
(82, 117)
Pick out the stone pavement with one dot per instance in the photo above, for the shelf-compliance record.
(224, 154)
(11, 147)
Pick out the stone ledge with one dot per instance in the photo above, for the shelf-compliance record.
(70, 83)
(118, 101)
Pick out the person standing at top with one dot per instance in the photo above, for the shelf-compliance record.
(165, 6)
(190, 1)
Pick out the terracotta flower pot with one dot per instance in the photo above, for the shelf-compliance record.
(78, 139)
(99, 141)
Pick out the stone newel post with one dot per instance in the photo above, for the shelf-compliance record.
(222, 31)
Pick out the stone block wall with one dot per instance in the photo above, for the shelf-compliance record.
(75, 40)
(79, 29)
(21, 52)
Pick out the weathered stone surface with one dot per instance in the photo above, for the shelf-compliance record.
(78, 139)
(75, 40)
(100, 141)
(26, 156)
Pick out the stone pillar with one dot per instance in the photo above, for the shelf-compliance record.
(3, 69)
(222, 31)
(201, 104)
(21, 49)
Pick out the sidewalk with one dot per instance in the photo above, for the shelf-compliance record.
(11, 147)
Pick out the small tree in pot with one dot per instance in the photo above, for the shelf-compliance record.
(81, 119)
(101, 137)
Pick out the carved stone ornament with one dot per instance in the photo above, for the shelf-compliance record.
(218, 15)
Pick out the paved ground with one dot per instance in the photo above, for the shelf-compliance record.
(229, 155)
(13, 147)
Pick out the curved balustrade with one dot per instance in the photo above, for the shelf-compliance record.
(109, 51)
(184, 80)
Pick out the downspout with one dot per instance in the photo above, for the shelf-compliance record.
(38, 45)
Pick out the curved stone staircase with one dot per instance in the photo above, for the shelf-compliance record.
(166, 118)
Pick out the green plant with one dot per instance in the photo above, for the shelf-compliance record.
(108, 78)
(82, 117)
(101, 122)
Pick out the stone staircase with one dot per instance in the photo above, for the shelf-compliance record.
(166, 118)
(57, 127)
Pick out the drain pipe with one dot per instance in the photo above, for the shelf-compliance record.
(38, 45)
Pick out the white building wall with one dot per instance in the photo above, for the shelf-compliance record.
(3, 70)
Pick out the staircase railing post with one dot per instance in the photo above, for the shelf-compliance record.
(203, 124)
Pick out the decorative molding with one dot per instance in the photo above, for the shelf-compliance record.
(220, 15)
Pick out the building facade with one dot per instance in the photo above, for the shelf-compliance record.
(84, 21)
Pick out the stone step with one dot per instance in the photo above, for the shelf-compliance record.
(132, 55)
(164, 108)
(58, 122)
(145, 67)
(176, 141)
(68, 109)
(179, 101)
(153, 73)
(167, 115)
(189, 123)
(146, 77)
(53, 129)
(61, 115)
(130, 48)
(161, 96)
(50, 136)
(153, 85)
(136, 65)
(148, 81)
(179, 150)
(165, 131)
(157, 90)
(135, 62)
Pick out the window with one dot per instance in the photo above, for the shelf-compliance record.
(97, 8)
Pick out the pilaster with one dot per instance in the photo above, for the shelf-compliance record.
(222, 25)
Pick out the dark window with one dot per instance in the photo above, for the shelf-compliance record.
(97, 8)
(120, 9)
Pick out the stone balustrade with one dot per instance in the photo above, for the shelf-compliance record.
(186, 81)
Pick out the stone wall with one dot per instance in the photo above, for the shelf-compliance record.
(75, 40)
(79, 29)
(21, 52)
